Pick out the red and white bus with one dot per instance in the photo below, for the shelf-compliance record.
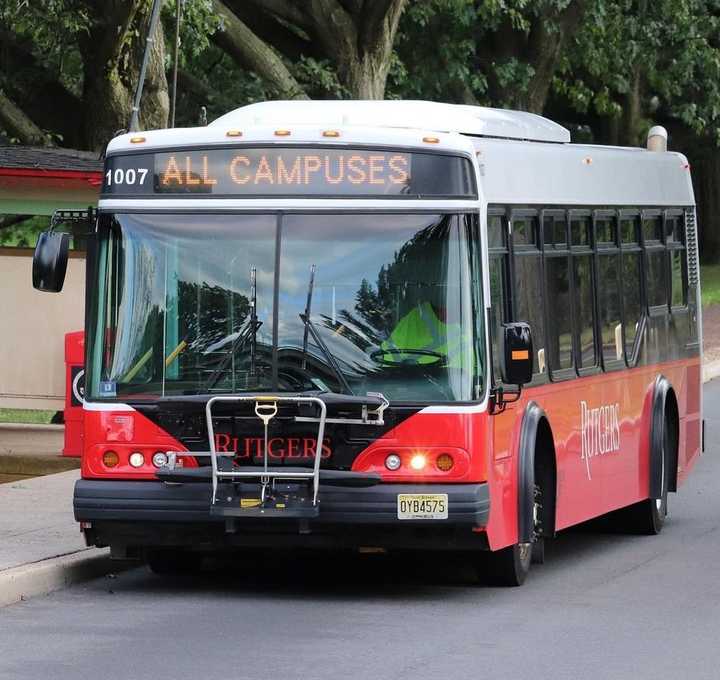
(387, 325)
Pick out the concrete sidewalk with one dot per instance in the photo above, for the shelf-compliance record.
(36, 519)
(41, 547)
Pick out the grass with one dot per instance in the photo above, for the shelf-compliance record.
(23, 415)
(710, 284)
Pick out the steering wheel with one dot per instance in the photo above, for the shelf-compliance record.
(378, 355)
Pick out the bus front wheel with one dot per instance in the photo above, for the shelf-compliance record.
(508, 567)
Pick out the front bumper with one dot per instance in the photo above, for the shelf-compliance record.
(145, 513)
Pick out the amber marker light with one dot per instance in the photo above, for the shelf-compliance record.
(110, 459)
(444, 462)
(330, 133)
(282, 133)
(431, 140)
(418, 461)
(137, 140)
(233, 133)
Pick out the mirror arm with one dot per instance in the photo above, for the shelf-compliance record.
(498, 402)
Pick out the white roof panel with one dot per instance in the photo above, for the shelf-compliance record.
(574, 174)
(419, 115)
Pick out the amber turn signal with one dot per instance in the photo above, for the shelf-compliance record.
(110, 459)
(444, 462)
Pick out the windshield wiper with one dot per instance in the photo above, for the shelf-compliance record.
(247, 332)
(310, 328)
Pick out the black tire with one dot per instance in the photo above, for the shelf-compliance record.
(508, 567)
(538, 551)
(648, 517)
(168, 561)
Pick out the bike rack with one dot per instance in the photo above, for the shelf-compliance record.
(266, 408)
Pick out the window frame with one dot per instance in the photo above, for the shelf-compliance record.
(609, 249)
(533, 249)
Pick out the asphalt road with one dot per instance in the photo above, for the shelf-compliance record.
(603, 606)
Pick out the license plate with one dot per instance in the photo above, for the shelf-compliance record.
(422, 506)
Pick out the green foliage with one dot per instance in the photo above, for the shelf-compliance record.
(26, 415)
(51, 28)
(667, 48)
(22, 234)
(710, 284)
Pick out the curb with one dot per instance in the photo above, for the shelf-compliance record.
(47, 576)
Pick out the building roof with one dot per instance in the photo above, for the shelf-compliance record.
(420, 115)
(51, 160)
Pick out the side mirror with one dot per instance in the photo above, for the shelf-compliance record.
(50, 261)
(517, 357)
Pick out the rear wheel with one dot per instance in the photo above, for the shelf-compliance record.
(648, 516)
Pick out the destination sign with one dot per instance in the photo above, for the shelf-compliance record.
(289, 172)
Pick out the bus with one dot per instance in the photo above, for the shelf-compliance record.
(387, 326)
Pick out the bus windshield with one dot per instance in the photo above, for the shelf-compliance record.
(189, 304)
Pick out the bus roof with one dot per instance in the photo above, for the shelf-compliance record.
(406, 114)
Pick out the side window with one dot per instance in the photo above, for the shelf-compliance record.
(497, 241)
(609, 307)
(655, 277)
(608, 289)
(652, 228)
(656, 262)
(527, 284)
(675, 240)
(631, 279)
(584, 310)
(559, 354)
(581, 244)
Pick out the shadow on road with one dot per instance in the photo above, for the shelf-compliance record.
(326, 575)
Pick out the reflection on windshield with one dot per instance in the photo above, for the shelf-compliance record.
(391, 306)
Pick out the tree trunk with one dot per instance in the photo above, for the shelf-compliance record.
(239, 41)
(361, 43)
(18, 124)
(112, 57)
(631, 132)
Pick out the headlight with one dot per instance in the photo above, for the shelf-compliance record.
(393, 462)
(137, 459)
(159, 459)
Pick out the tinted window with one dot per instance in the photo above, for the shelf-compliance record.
(555, 230)
(609, 307)
(582, 269)
(498, 305)
(496, 231)
(677, 286)
(529, 302)
(629, 229)
(652, 228)
(632, 297)
(559, 344)
(655, 279)
(605, 230)
(524, 230)
(673, 229)
(580, 231)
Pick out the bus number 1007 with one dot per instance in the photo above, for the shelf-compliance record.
(127, 177)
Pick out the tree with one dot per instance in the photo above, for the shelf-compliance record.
(499, 53)
(355, 36)
(70, 68)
